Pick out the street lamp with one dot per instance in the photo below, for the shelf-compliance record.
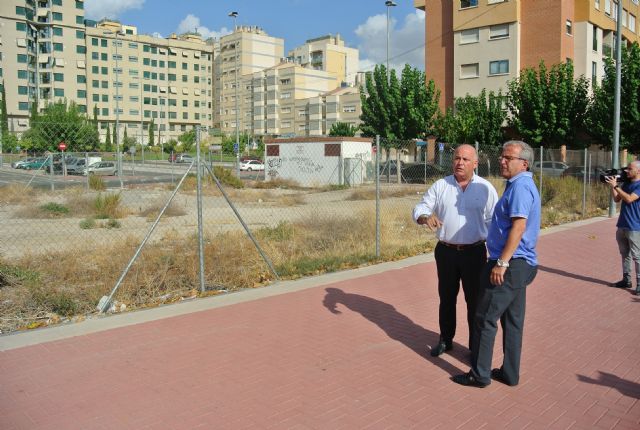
(234, 15)
(117, 83)
(388, 4)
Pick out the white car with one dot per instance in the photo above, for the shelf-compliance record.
(250, 165)
(107, 168)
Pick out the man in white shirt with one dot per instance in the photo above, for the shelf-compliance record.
(459, 209)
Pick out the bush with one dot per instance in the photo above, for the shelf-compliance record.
(96, 183)
(55, 209)
(87, 224)
(107, 206)
(226, 177)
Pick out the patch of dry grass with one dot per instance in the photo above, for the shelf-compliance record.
(151, 212)
(18, 194)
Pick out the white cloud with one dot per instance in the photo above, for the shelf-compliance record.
(98, 9)
(191, 23)
(406, 42)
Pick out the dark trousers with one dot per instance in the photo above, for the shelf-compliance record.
(454, 266)
(506, 303)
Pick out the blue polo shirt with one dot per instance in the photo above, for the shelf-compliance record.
(519, 200)
(629, 218)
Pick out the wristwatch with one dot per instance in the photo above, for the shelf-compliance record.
(502, 263)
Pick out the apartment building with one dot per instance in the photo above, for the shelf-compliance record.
(50, 52)
(330, 54)
(134, 79)
(247, 50)
(42, 55)
(476, 44)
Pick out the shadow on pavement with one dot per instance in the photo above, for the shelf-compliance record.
(573, 275)
(396, 325)
(625, 387)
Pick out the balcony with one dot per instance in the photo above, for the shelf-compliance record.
(607, 50)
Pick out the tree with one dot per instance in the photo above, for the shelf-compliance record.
(473, 119)
(114, 136)
(4, 117)
(398, 110)
(151, 135)
(61, 122)
(601, 110)
(187, 139)
(342, 129)
(548, 107)
(107, 140)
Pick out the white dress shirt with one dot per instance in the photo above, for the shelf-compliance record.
(465, 215)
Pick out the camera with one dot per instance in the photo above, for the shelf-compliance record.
(620, 175)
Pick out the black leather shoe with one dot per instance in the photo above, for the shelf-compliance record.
(468, 380)
(440, 348)
(496, 375)
(622, 284)
(638, 291)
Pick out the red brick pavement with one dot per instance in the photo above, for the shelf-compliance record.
(350, 355)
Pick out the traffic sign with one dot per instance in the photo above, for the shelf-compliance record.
(236, 148)
(440, 146)
(62, 146)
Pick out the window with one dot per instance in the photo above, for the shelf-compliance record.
(594, 39)
(104, 70)
(81, 79)
(21, 11)
(22, 74)
(498, 31)
(104, 56)
(96, 97)
(94, 41)
(594, 73)
(597, 4)
(82, 94)
(468, 71)
(133, 45)
(172, 64)
(81, 49)
(500, 67)
(21, 26)
(569, 27)
(79, 34)
(632, 22)
(57, 47)
(146, 61)
(286, 95)
(79, 19)
(23, 91)
(57, 2)
(103, 43)
(607, 7)
(133, 59)
(468, 3)
(22, 58)
(57, 31)
(23, 105)
(495, 1)
(105, 111)
(57, 16)
(79, 5)
(58, 77)
(469, 36)
(349, 108)
(58, 92)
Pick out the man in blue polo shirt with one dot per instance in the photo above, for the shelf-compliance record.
(512, 265)
(628, 233)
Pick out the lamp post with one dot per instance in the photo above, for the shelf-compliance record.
(234, 15)
(117, 84)
(388, 4)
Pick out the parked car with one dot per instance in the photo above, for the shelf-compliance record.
(420, 173)
(76, 167)
(390, 167)
(549, 168)
(104, 168)
(180, 158)
(578, 172)
(250, 165)
(249, 157)
(19, 163)
(36, 164)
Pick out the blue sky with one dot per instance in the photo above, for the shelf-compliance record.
(361, 23)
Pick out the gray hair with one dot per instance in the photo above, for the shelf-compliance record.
(526, 152)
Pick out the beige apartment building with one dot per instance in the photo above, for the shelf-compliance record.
(328, 53)
(476, 44)
(135, 79)
(247, 50)
(42, 55)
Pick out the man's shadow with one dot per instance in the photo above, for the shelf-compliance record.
(396, 325)
(625, 387)
(572, 275)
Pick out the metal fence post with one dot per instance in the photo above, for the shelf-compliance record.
(377, 170)
(541, 158)
(199, 202)
(586, 172)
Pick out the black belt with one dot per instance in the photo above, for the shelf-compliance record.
(463, 247)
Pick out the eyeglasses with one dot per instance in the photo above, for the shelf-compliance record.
(509, 158)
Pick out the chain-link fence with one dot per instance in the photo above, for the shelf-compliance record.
(74, 230)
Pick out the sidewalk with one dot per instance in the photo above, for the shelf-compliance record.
(342, 351)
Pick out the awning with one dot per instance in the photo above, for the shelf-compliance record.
(81, 64)
(43, 58)
(59, 62)
(196, 54)
(172, 51)
(173, 90)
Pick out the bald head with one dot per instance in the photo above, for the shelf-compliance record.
(465, 160)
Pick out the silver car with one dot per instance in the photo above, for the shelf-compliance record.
(104, 168)
(549, 168)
